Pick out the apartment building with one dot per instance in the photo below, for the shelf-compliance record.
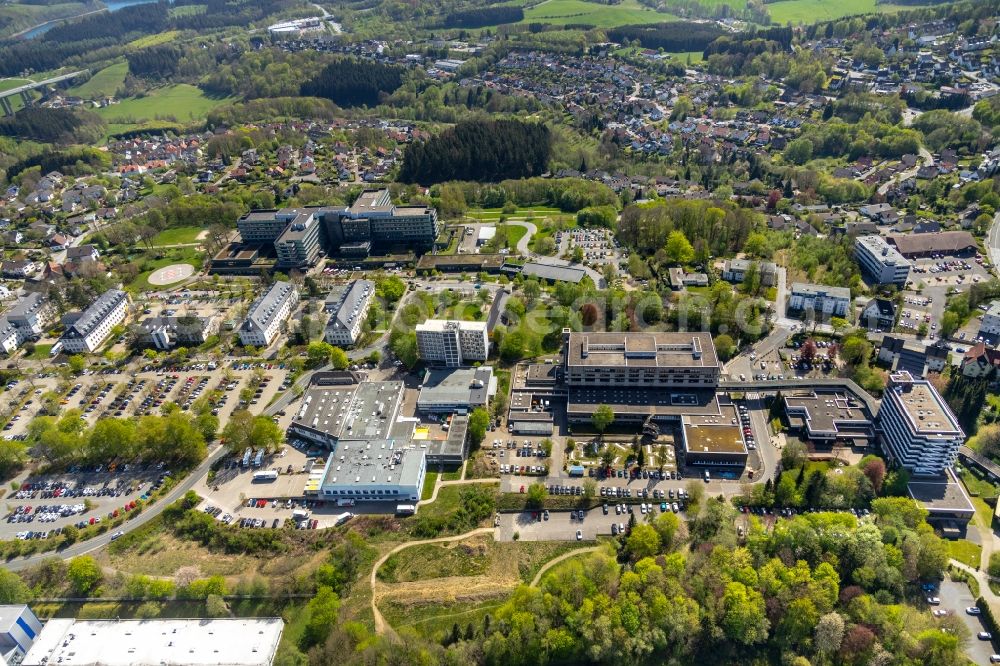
(9, 340)
(452, 343)
(268, 313)
(348, 306)
(990, 324)
(735, 270)
(819, 300)
(298, 245)
(31, 315)
(88, 331)
(917, 428)
(880, 262)
(640, 360)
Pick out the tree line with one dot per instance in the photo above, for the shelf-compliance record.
(674, 36)
(719, 227)
(75, 161)
(481, 150)
(480, 17)
(37, 123)
(353, 82)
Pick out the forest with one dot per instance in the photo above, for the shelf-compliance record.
(352, 82)
(721, 228)
(52, 125)
(481, 150)
(674, 36)
(73, 161)
(483, 16)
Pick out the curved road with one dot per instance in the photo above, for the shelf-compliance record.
(381, 626)
(522, 248)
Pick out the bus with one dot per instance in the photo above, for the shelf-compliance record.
(265, 475)
(246, 457)
(259, 458)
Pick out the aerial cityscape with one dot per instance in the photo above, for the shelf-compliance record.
(550, 332)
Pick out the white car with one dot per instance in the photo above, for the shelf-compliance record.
(973, 610)
(934, 601)
(984, 636)
(579, 535)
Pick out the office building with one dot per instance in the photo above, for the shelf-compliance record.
(373, 220)
(338, 405)
(268, 313)
(348, 306)
(828, 417)
(170, 331)
(880, 262)
(735, 270)
(679, 360)
(18, 630)
(917, 428)
(819, 300)
(712, 440)
(379, 470)
(298, 244)
(32, 315)
(195, 642)
(88, 330)
(263, 227)
(452, 343)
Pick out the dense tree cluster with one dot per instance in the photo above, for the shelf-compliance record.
(942, 129)
(480, 17)
(36, 123)
(721, 228)
(75, 161)
(354, 82)
(154, 62)
(481, 150)
(676, 36)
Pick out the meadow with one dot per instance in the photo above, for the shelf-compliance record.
(814, 11)
(562, 12)
(104, 83)
(180, 103)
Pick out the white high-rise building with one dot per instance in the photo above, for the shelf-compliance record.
(452, 343)
(881, 262)
(917, 428)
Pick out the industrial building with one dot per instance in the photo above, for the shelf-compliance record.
(268, 313)
(19, 627)
(456, 391)
(87, 331)
(348, 306)
(880, 262)
(917, 428)
(452, 343)
(194, 642)
(338, 405)
(374, 470)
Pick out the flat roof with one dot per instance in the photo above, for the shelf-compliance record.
(924, 407)
(197, 642)
(681, 350)
(452, 446)
(715, 438)
(824, 411)
(553, 272)
(441, 325)
(943, 494)
(361, 462)
(455, 386)
(365, 410)
(9, 614)
(823, 290)
(878, 247)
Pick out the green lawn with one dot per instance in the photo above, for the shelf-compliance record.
(561, 12)
(103, 83)
(966, 552)
(429, 481)
(177, 103)
(173, 256)
(177, 236)
(488, 214)
(814, 11)
(7, 84)
(154, 40)
(41, 352)
(433, 561)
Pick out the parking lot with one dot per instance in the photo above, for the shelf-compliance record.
(955, 598)
(80, 497)
(564, 525)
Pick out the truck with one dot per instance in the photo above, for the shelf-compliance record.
(345, 502)
(406, 509)
(342, 518)
(265, 475)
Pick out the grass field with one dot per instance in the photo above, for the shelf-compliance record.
(494, 214)
(7, 84)
(185, 255)
(179, 103)
(966, 552)
(561, 12)
(177, 236)
(435, 561)
(104, 83)
(814, 11)
(41, 352)
(430, 480)
(153, 40)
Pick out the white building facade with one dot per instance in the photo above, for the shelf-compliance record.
(452, 343)
(268, 313)
(94, 324)
(819, 299)
(881, 262)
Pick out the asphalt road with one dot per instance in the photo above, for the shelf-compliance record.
(955, 598)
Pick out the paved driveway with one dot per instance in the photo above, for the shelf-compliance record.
(955, 598)
(561, 527)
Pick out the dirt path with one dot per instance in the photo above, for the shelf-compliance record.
(382, 627)
(565, 556)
